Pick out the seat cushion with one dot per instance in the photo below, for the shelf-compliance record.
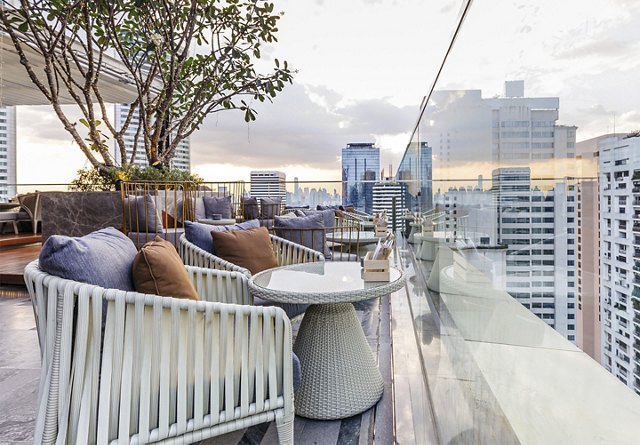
(158, 269)
(141, 214)
(200, 234)
(218, 205)
(103, 258)
(8, 216)
(251, 248)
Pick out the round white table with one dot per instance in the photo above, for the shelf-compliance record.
(218, 222)
(340, 377)
(346, 237)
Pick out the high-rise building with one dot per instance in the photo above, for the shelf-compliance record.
(538, 227)
(268, 184)
(360, 170)
(8, 162)
(619, 176)
(469, 131)
(385, 194)
(181, 159)
(416, 171)
(588, 242)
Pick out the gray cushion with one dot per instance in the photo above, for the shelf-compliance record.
(307, 230)
(141, 214)
(103, 258)
(218, 205)
(269, 207)
(250, 208)
(8, 216)
(200, 234)
(328, 215)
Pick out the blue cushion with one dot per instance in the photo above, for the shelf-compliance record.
(307, 230)
(141, 214)
(328, 215)
(200, 234)
(218, 205)
(103, 258)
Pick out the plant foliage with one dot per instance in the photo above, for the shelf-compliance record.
(185, 58)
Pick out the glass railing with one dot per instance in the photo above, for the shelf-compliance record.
(497, 372)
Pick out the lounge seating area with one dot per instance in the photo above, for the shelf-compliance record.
(24, 211)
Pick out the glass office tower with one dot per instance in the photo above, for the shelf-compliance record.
(360, 171)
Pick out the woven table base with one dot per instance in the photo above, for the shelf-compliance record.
(340, 377)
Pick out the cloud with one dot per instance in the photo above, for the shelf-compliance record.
(379, 117)
(296, 130)
(39, 124)
(447, 7)
(599, 48)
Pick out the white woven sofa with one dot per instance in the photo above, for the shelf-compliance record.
(164, 369)
(286, 252)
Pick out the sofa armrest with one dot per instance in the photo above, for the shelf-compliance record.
(288, 252)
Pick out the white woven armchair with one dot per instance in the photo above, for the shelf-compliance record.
(286, 252)
(168, 370)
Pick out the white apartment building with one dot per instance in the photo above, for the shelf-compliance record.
(619, 176)
(181, 159)
(470, 213)
(467, 130)
(8, 161)
(539, 229)
(268, 184)
(384, 194)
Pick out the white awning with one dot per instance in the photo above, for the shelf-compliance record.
(16, 87)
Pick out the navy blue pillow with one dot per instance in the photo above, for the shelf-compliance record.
(200, 234)
(218, 205)
(103, 258)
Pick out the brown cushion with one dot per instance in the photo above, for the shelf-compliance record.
(158, 269)
(249, 248)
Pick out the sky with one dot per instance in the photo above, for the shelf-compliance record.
(364, 66)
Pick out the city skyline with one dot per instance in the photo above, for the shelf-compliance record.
(575, 51)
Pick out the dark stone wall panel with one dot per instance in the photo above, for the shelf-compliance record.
(79, 213)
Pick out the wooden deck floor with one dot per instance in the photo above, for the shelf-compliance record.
(16, 251)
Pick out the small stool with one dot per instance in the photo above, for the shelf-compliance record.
(9, 217)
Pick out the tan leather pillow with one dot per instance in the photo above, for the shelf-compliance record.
(158, 269)
(249, 248)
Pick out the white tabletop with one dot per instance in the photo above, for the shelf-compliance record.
(346, 237)
(321, 282)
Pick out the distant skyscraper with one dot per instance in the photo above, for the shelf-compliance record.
(481, 133)
(360, 170)
(539, 230)
(384, 194)
(268, 184)
(182, 156)
(416, 171)
(8, 162)
(619, 184)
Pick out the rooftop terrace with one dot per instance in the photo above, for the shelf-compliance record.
(462, 362)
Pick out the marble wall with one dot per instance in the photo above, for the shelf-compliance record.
(79, 213)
